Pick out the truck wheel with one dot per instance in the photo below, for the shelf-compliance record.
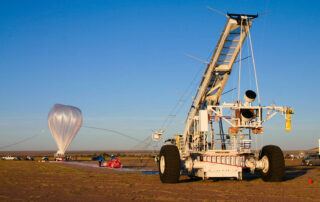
(169, 165)
(274, 164)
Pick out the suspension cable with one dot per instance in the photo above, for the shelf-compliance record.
(240, 41)
(249, 64)
(254, 67)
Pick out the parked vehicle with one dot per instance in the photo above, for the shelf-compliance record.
(17, 158)
(29, 158)
(45, 158)
(311, 160)
(8, 158)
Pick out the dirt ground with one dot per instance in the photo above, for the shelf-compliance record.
(35, 181)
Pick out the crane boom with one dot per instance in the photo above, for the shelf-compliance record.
(220, 66)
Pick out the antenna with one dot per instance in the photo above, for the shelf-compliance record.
(228, 91)
(242, 59)
(208, 7)
(184, 94)
(265, 13)
(196, 58)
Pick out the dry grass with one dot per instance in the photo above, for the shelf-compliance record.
(32, 181)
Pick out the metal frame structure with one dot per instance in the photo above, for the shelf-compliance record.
(198, 146)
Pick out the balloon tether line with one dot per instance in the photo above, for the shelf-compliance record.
(23, 140)
(113, 131)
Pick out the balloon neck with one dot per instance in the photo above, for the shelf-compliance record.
(59, 154)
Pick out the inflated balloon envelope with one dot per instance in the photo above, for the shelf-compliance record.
(64, 123)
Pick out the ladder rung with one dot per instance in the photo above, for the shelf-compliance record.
(229, 47)
(234, 33)
(226, 54)
(223, 61)
(232, 40)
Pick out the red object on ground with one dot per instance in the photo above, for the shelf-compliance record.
(115, 163)
(310, 181)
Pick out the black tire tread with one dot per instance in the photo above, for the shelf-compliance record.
(276, 164)
(172, 164)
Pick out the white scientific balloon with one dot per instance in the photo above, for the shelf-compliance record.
(64, 123)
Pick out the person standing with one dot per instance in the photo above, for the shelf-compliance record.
(101, 159)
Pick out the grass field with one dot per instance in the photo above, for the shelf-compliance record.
(34, 181)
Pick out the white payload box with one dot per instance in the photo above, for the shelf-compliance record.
(204, 121)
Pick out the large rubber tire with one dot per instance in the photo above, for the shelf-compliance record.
(169, 164)
(275, 172)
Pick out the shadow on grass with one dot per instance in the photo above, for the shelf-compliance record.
(136, 167)
(246, 177)
(191, 179)
(291, 173)
(81, 160)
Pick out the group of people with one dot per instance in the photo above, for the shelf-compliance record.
(102, 159)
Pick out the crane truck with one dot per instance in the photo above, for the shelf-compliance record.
(199, 151)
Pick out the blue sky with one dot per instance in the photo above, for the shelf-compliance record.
(121, 61)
